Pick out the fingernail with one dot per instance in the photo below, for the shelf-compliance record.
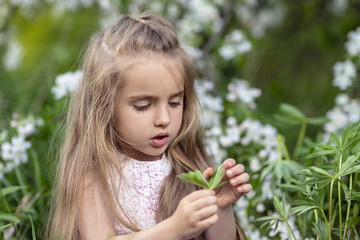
(233, 181)
(229, 172)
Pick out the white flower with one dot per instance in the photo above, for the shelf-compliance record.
(353, 111)
(235, 44)
(242, 90)
(13, 55)
(66, 83)
(16, 150)
(226, 141)
(353, 44)
(26, 130)
(260, 208)
(255, 164)
(344, 72)
(227, 52)
(342, 99)
(338, 7)
(6, 151)
(338, 120)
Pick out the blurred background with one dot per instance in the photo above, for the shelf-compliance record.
(251, 56)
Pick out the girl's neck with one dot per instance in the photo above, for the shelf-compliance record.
(139, 156)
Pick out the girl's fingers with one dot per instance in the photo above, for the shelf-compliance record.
(207, 222)
(235, 170)
(244, 189)
(240, 179)
(194, 196)
(207, 212)
(229, 163)
(204, 202)
(208, 173)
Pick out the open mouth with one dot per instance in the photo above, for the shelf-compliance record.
(161, 136)
(160, 139)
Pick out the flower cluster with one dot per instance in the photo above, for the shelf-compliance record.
(353, 44)
(344, 73)
(66, 83)
(240, 89)
(13, 55)
(212, 107)
(235, 44)
(14, 151)
(345, 112)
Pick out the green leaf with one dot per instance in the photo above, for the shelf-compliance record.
(292, 112)
(11, 189)
(217, 177)
(195, 178)
(303, 209)
(323, 146)
(317, 121)
(320, 172)
(8, 225)
(348, 167)
(320, 153)
(335, 138)
(8, 217)
(32, 228)
(268, 218)
(286, 120)
(198, 178)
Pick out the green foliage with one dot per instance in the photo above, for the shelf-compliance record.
(198, 178)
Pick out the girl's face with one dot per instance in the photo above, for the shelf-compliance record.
(149, 110)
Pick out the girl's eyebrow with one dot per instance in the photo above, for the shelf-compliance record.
(151, 97)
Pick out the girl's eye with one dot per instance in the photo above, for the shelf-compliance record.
(174, 104)
(141, 107)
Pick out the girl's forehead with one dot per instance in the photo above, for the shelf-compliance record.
(147, 67)
(153, 77)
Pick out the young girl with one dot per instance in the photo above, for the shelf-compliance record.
(132, 128)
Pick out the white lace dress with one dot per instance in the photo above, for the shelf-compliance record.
(139, 191)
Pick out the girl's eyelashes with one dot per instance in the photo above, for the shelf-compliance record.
(141, 107)
(175, 104)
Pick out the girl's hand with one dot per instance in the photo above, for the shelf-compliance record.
(237, 186)
(196, 212)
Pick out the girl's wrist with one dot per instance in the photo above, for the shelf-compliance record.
(172, 229)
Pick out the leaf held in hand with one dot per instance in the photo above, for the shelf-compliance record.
(198, 178)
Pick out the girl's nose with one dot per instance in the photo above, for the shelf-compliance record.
(162, 118)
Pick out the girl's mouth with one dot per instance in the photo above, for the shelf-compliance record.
(160, 139)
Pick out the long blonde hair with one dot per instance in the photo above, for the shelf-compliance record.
(91, 145)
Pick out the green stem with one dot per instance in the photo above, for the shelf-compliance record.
(20, 179)
(285, 218)
(282, 148)
(327, 223)
(300, 140)
(340, 213)
(330, 207)
(279, 139)
(316, 220)
(348, 207)
(339, 199)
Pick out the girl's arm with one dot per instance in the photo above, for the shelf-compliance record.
(227, 194)
(224, 228)
(195, 213)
